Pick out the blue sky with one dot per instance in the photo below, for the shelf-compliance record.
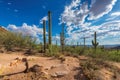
(81, 18)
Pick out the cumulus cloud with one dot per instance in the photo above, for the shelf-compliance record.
(80, 17)
(100, 7)
(26, 29)
(115, 14)
(74, 13)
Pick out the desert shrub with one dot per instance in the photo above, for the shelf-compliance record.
(104, 54)
(74, 50)
(11, 40)
(113, 55)
(53, 50)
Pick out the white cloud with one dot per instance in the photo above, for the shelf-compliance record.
(100, 7)
(56, 38)
(115, 14)
(26, 29)
(76, 14)
(44, 18)
(104, 31)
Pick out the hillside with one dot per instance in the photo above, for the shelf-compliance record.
(3, 29)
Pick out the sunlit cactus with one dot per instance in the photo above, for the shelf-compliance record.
(94, 42)
(62, 38)
(84, 42)
(77, 43)
(50, 28)
(44, 34)
(56, 43)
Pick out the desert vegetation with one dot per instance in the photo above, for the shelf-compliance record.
(90, 60)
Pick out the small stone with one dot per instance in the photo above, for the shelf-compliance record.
(53, 75)
(61, 73)
(36, 68)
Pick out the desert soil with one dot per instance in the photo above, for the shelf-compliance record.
(50, 68)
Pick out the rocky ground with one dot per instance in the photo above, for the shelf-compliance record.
(50, 68)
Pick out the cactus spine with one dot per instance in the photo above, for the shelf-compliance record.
(44, 34)
(95, 43)
(50, 28)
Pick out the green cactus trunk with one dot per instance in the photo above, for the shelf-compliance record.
(56, 43)
(62, 38)
(77, 44)
(84, 42)
(44, 34)
(94, 42)
(50, 28)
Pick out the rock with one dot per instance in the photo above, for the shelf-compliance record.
(53, 75)
(59, 74)
(53, 67)
(1, 51)
(45, 75)
(36, 68)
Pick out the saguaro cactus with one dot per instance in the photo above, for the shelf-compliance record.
(62, 38)
(50, 28)
(84, 42)
(56, 43)
(77, 44)
(44, 34)
(95, 43)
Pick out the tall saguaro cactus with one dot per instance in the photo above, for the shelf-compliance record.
(84, 42)
(56, 43)
(77, 44)
(50, 28)
(94, 42)
(44, 34)
(62, 38)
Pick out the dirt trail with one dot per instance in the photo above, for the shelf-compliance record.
(50, 68)
(53, 68)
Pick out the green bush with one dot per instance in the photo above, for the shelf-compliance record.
(104, 54)
(11, 40)
(74, 50)
(52, 50)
